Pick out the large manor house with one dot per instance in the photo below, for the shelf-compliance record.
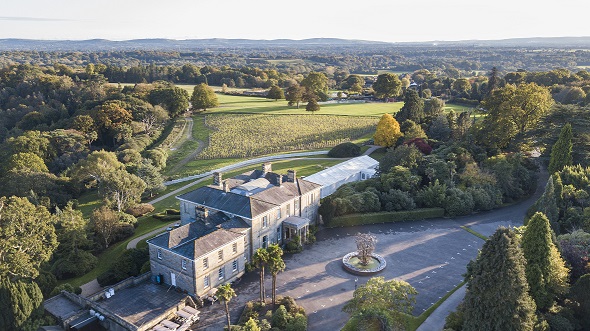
(223, 224)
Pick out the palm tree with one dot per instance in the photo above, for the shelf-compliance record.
(260, 259)
(225, 293)
(275, 265)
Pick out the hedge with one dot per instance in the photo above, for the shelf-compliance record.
(385, 217)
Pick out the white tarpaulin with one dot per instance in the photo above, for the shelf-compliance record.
(353, 170)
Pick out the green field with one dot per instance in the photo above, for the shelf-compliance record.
(247, 135)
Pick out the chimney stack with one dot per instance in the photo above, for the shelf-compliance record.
(278, 180)
(266, 168)
(225, 186)
(291, 175)
(217, 179)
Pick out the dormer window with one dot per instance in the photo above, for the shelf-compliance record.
(159, 254)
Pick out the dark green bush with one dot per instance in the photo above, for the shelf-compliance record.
(130, 264)
(347, 149)
(458, 202)
(385, 217)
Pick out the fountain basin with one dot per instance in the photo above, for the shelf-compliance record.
(351, 264)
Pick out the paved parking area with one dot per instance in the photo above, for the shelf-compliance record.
(430, 255)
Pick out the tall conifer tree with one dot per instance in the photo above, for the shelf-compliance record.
(561, 152)
(497, 291)
(545, 269)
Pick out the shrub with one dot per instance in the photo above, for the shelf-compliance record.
(130, 264)
(46, 282)
(433, 195)
(125, 218)
(140, 209)
(346, 149)
(396, 200)
(65, 287)
(458, 202)
(172, 212)
(123, 232)
(297, 323)
(293, 246)
(484, 199)
(74, 265)
(280, 318)
(385, 217)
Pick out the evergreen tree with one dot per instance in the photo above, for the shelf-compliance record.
(497, 291)
(251, 325)
(413, 108)
(561, 152)
(20, 303)
(545, 269)
(580, 294)
(387, 132)
(547, 204)
(493, 80)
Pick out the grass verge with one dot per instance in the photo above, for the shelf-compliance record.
(385, 217)
(473, 232)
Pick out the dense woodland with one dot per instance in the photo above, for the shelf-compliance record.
(65, 132)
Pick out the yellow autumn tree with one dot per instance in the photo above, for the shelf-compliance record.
(388, 131)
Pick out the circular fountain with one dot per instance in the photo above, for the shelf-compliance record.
(364, 262)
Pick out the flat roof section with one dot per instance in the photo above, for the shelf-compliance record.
(142, 303)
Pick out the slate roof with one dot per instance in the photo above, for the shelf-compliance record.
(190, 240)
(257, 202)
(218, 199)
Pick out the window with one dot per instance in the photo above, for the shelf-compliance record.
(184, 264)
(289, 210)
(234, 266)
(206, 281)
(279, 214)
(264, 241)
(363, 176)
(311, 198)
(278, 234)
(159, 254)
(264, 221)
(205, 263)
(235, 247)
(221, 273)
(220, 255)
(296, 207)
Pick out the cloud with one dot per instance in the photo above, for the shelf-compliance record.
(31, 19)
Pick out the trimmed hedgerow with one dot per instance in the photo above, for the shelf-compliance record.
(385, 217)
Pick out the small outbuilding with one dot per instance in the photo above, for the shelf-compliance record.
(353, 170)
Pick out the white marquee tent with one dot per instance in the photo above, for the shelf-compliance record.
(353, 170)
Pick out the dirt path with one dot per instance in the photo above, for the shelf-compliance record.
(189, 137)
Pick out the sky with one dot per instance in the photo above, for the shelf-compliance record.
(379, 20)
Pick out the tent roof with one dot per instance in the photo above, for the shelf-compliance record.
(343, 170)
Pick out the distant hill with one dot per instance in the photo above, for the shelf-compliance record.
(219, 43)
(171, 44)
